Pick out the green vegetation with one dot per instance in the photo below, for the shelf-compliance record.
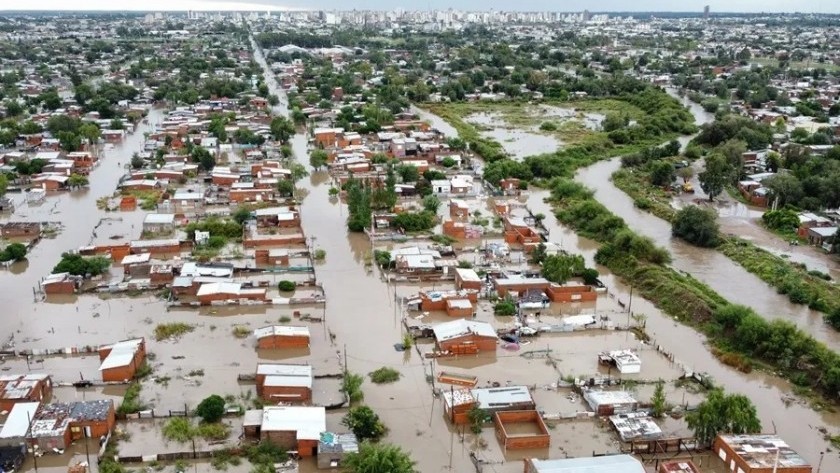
(181, 429)
(384, 375)
(318, 158)
(286, 286)
(13, 252)
(351, 386)
(131, 403)
(320, 254)
(723, 413)
(78, 265)
(241, 331)
(562, 267)
(505, 308)
(697, 226)
(217, 227)
(211, 409)
(658, 401)
(379, 458)
(364, 423)
(172, 330)
(415, 221)
(788, 278)
(477, 417)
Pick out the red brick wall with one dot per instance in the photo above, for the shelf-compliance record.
(280, 342)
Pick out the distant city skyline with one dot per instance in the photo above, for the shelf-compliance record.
(736, 6)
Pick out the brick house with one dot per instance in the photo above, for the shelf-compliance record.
(294, 428)
(15, 388)
(465, 336)
(759, 454)
(278, 382)
(121, 360)
(282, 336)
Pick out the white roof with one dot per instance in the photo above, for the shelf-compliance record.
(122, 353)
(159, 218)
(458, 328)
(219, 288)
(282, 331)
(605, 464)
(467, 274)
(192, 268)
(135, 259)
(417, 261)
(18, 421)
(824, 232)
(307, 422)
(489, 398)
(459, 303)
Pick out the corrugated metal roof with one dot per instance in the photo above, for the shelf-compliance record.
(122, 353)
(282, 331)
(461, 327)
(307, 422)
(606, 464)
(18, 421)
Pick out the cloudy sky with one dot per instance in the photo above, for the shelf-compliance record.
(823, 6)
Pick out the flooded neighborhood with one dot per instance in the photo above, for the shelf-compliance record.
(401, 241)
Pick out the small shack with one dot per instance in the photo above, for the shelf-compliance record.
(294, 428)
(465, 337)
(282, 336)
(120, 361)
(635, 426)
(333, 448)
(278, 382)
(607, 403)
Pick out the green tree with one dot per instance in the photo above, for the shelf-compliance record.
(203, 157)
(137, 161)
(379, 458)
(318, 158)
(716, 175)
(364, 423)
(282, 129)
(431, 203)
(661, 173)
(4, 184)
(77, 180)
(117, 124)
(211, 409)
(69, 141)
(90, 132)
(13, 108)
(685, 173)
(285, 187)
(697, 226)
(723, 413)
(14, 252)
(658, 400)
(561, 267)
(786, 188)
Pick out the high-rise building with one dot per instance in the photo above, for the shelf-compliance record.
(706, 12)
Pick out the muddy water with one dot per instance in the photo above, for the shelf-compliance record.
(722, 274)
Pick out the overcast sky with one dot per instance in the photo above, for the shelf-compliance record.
(823, 6)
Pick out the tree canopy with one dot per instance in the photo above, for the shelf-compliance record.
(723, 413)
(379, 458)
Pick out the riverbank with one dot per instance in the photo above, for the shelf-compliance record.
(792, 279)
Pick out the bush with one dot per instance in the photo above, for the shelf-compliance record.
(172, 330)
(320, 255)
(384, 375)
(696, 226)
(286, 286)
(364, 423)
(505, 307)
(211, 409)
(179, 429)
(351, 386)
(77, 265)
(13, 252)
(548, 126)
(415, 221)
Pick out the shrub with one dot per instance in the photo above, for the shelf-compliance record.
(364, 423)
(696, 226)
(548, 126)
(505, 307)
(13, 252)
(211, 409)
(179, 429)
(320, 255)
(286, 286)
(240, 331)
(172, 330)
(351, 386)
(384, 375)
